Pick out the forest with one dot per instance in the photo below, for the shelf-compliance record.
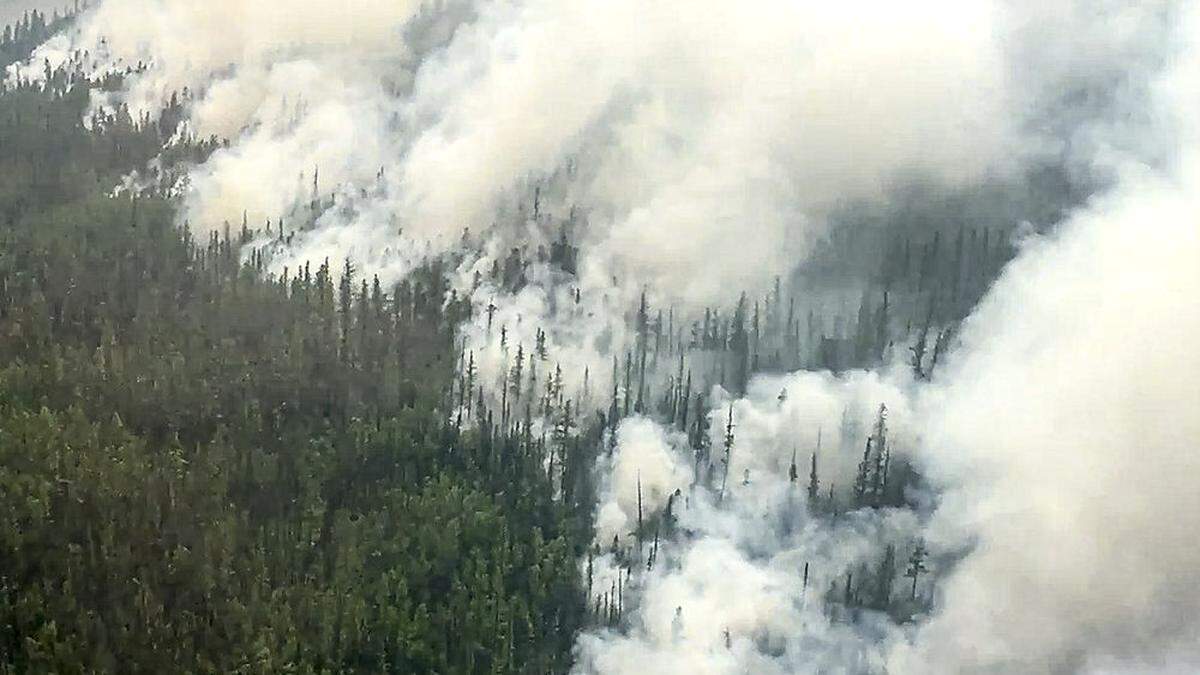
(210, 470)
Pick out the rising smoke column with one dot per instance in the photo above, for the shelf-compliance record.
(1065, 438)
(682, 127)
(692, 149)
(704, 128)
(1065, 434)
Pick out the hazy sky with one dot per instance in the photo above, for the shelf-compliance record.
(11, 10)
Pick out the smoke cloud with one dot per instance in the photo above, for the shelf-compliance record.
(743, 589)
(1059, 445)
(700, 129)
(1064, 435)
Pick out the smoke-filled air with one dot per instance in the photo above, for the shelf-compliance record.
(600, 336)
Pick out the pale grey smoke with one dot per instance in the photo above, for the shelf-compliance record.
(648, 460)
(704, 128)
(297, 89)
(1062, 440)
(736, 574)
(701, 128)
(702, 146)
(1065, 434)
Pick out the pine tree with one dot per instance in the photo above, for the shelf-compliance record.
(728, 452)
(884, 577)
(916, 566)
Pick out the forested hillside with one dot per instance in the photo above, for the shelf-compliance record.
(207, 469)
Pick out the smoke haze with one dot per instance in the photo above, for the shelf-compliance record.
(1066, 427)
(692, 128)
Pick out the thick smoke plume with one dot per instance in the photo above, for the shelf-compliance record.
(693, 129)
(1065, 434)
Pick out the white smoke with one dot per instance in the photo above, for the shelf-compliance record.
(736, 575)
(702, 146)
(1061, 441)
(295, 89)
(649, 465)
(1065, 433)
(1064, 438)
(698, 128)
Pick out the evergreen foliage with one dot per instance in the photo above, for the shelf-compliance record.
(206, 468)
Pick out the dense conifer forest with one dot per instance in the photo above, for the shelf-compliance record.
(206, 469)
